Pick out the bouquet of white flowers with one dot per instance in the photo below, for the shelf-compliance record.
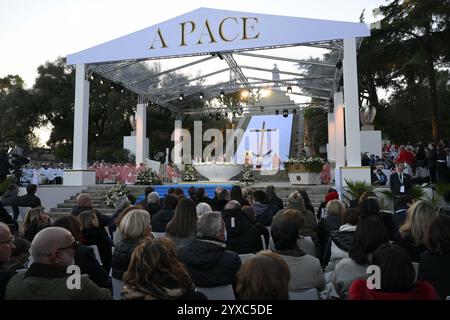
(115, 192)
(148, 177)
(312, 164)
(189, 173)
(247, 175)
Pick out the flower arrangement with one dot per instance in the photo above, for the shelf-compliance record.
(115, 192)
(312, 164)
(247, 175)
(189, 173)
(148, 177)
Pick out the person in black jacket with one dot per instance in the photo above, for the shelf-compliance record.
(93, 235)
(402, 205)
(236, 194)
(4, 165)
(84, 203)
(28, 200)
(434, 263)
(206, 258)
(202, 196)
(273, 200)
(144, 202)
(242, 236)
(153, 203)
(263, 213)
(400, 182)
(84, 255)
(162, 218)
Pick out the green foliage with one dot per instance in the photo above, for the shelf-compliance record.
(312, 164)
(316, 128)
(417, 193)
(355, 189)
(248, 178)
(148, 177)
(5, 183)
(115, 192)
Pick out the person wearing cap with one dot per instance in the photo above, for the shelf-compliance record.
(400, 182)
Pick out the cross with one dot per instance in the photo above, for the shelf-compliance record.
(260, 156)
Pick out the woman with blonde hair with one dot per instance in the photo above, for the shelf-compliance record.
(134, 226)
(256, 280)
(155, 273)
(35, 220)
(330, 221)
(413, 234)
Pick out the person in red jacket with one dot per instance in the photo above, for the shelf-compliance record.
(397, 279)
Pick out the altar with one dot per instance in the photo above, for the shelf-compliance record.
(217, 171)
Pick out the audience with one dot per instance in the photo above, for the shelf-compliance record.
(93, 235)
(6, 248)
(202, 208)
(20, 255)
(144, 202)
(206, 258)
(155, 273)
(263, 231)
(306, 200)
(223, 196)
(120, 204)
(306, 271)
(236, 194)
(273, 200)
(163, 216)
(182, 228)
(153, 203)
(262, 212)
(331, 221)
(402, 204)
(52, 250)
(256, 280)
(397, 278)
(134, 226)
(35, 220)
(413, 234)
(369, 235)
(434, 263)
(242, 235)
(84, 203)
(331, 195)
(84, 255)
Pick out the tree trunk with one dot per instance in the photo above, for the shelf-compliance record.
(433, 90)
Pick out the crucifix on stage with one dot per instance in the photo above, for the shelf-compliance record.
(260, 156)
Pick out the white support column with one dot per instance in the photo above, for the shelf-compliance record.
(141, 129)
(331, 147)
(339, 126)
(351, 104)
(81, 119)
(79, 175)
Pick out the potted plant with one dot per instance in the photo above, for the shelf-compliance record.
(304, 170)
(148, 177)
(115, 192)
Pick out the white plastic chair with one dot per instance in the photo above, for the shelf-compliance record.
(245, 256)
(117, 286)
(310, 294)
(218, 293)
(307, 244)
(263, 242)
(416, 268)
(97, 253)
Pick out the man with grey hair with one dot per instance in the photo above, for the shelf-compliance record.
(206, 258)
(84, 203)
(6, 247)
(53, 251)
(153, 203)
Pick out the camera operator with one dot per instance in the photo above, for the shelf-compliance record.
(4, 165)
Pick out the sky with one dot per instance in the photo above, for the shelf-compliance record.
(35, 31)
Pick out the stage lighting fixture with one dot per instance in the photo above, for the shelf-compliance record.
(285, 113)
(181, 96)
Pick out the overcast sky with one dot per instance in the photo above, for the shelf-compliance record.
(35, 31)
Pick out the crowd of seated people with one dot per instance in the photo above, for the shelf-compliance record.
(175, 246)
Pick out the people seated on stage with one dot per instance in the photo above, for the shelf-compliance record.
(222, 199)
(262, 212)
(206, 258)
(53, 250)
(397, 278)
(163, 216)
(84, 203)
(84, 255)
(306, 200)
(6, 248)
(330, 222)
(182, 228)
(273, 200)
(236, 194)
(202, 208)
(341, 241)
(306, 271)
(255, 280)
(434, 263)
(92, 235)
(242, 235)
(153, 203)
(202, 196)
(413, 234)
(35, 220)
(155, 273)
(402, 204)
(134, 227)
(310, 227)
(369, 235)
